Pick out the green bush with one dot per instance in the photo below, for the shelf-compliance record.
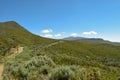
(28, 70)
(39, 61)
(44, 70)
(62, 73)
(80, 73)
(94, 74)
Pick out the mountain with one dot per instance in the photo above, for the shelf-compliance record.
(97, 40)
(84, 39)
(48, 59)
(73, 38)
(12, 34)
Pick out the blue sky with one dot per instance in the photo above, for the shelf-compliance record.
(61, 18)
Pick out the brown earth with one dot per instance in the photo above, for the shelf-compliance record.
(16, 51)
(1, 70)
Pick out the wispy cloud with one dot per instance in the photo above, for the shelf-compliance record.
(58, 35)
(46, 31)
(48, 35)
(90, 33)
(74, 35)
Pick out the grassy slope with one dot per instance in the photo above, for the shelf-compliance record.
(106, 57)
(103, 57)
(12, 35)
(11, 31)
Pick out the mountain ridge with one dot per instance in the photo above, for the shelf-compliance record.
(82, 38)
(85, 39)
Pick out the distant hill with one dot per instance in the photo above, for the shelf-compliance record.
(83, 39)
(73, 38)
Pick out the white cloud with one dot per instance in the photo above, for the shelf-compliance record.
(47, 31)
(48, 35)
(58, 35)
(74, 34)
(90, 33)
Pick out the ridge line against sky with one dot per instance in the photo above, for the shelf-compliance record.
(63, 18)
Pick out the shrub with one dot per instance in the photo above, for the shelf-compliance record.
(80, 73)
(28, 70)
(44, 70)
(94, 74)
(62, 73)
(39, 61)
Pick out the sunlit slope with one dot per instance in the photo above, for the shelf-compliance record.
(12, 35)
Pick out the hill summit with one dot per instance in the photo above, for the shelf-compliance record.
(12, 34)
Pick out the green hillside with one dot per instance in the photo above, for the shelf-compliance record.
(12, 35)
(47, 59)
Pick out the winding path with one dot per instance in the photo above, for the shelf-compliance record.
(1, 70)
(19, 50)
(52, 44)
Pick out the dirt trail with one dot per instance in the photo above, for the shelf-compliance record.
(1, 70)
(20, 49)
(52, 44)
(16, 52)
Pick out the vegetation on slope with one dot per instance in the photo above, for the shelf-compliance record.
(13, 35)
(46, 59)
(61, 54)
